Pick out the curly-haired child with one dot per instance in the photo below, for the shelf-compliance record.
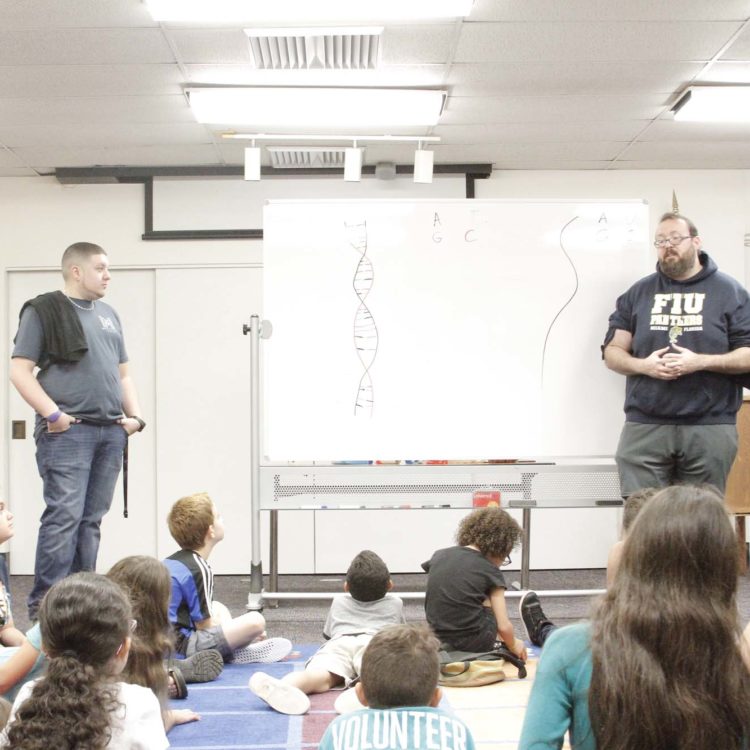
(81, 703)
(465, 596)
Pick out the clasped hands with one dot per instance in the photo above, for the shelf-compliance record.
(671, 362)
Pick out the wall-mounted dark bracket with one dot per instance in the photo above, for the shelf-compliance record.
(146, 175)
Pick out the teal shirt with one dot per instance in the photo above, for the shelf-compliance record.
(403, 728)
(559, 698)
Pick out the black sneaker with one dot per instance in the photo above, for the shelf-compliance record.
(532, 614)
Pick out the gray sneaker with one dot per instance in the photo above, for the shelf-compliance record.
(202, 666)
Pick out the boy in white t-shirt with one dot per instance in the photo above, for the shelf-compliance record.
(353, 619)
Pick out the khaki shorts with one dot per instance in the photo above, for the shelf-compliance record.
(341, 656)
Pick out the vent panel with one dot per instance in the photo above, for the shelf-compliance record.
(322, 52)
(307, 157)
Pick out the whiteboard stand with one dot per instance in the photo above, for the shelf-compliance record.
(257, 329)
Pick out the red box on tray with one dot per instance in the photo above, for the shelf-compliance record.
(486, 498)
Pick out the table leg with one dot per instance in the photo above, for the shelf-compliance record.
(526, 548)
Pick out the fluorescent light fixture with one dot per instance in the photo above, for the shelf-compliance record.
(284, 31)
(316, 107)
(353, 164)
(423, 161)
(252, 163)
(328, 137)
(294, 11)
(714, 104)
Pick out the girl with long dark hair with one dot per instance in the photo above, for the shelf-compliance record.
(660, 665)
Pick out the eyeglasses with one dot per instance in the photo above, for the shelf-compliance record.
(673, 240)
(506, 562)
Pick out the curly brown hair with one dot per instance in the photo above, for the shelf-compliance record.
(84, 619)
(148, 586)
(491, 530)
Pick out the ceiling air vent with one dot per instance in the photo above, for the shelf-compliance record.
(307, 157)
(315, 49)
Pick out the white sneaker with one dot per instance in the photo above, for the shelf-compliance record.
(267, 651)
(280, 696)
(348, 702)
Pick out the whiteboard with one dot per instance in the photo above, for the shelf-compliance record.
(444, 329)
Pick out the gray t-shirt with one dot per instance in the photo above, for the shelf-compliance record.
(348, 616)
(91, 388)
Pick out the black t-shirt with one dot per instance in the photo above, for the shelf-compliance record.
(459, 580)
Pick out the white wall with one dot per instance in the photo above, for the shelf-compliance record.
(39, 218)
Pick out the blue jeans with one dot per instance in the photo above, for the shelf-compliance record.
(79, 469)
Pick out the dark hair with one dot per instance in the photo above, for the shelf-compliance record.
(633, 505)
(189, 520)
(84, 620)
(400, 667)
(491, 530)
(674, 216)
(367, 577)
(667, 670)
(148, 585)
(77, 252)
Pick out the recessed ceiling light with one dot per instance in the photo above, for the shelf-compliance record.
(714, 104)
(267, 107)
(304, 11)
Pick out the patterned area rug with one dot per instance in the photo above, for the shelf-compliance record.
(232, 718)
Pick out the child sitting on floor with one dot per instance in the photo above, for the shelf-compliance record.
(538, 626)
(148, 586)
(197, 527)
(633, 505)
(21, 658)
(399, 684)
(86, 623)
(465, 596)
(353, 619)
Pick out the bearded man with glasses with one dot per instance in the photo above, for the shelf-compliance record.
(682, 337)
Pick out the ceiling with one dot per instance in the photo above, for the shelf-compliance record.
(532, 84)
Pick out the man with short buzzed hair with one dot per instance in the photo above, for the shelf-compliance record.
(682, 338)
(86, 408)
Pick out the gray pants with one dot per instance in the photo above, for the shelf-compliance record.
(657, 455)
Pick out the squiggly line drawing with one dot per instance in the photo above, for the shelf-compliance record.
(568, 301)
(365, 330)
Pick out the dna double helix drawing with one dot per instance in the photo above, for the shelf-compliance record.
(365, 330)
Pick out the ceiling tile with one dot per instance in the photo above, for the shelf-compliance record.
(540, 132)
(740, 48)
(83, 46)
(92, 135)
(139, 156)
(478, 110)
(602, 41)
(727, 72)
(477, 79)
(89, 80)
(57, 14)
(606, 10)
(419, 43)
(201, 46)
(103, 109)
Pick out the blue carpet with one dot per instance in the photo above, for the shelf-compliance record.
(235, 719)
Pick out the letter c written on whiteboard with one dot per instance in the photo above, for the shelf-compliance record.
(468, 237)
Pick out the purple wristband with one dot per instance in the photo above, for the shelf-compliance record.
(54, 416)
